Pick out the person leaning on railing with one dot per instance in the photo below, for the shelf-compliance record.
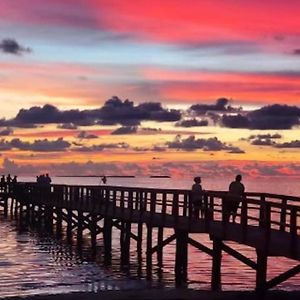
(232, 201)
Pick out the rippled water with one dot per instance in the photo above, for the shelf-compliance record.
(32, 263)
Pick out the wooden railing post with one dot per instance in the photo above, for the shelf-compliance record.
(122, 206)
(164, 205)
(152, 204)
(283, 215)
(244, 217)
(175, 207)
(262, 211)
(267, 225)
(293, 230)
(130, 202)
(185, 205)
(206, 210)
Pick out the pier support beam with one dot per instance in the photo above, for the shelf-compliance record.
(261, 272)
(181, 257)
(69, 224)
(107, 232)
(149, 252)
(58, 221)
(93, 228)
(79, 227)
(216, 265)
(139, 243)
(125, 243)
(160, 239)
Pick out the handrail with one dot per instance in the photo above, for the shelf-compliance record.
(264, 210)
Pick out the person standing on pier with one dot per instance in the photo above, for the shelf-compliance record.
(8, 182)
(104, 179)
(14, 182)
(197, 198)
(48, 179)
(2, 183)
(231, 203)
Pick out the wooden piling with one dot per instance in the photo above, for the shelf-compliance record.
(58, 211)
(79, 227)
(261, 271)
(216, 265)
(149, 252)
(107, 237)
(181, 257)
(93, 229)
(69, 224)
(160, 238)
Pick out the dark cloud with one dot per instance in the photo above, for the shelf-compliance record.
(86, 135)
(292, 144)
(268, 117)
(235, 121)
(7, 131)
(235, 150)
(125, 130)
(140, 149)
(265, 136)
(191, 143)
(114, 111)
(157, 113)
(264, 139)
(40, 145)
(220, 105)
(101, 147)
(275, 117)
(191, 123)
(5, 145)
(262, 142)
(69, 126)
(150, 129)
(11, 46)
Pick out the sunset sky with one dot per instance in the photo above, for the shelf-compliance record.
(168, 87)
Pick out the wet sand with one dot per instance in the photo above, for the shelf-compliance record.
(165, 294)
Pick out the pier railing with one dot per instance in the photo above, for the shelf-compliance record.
(265, 210)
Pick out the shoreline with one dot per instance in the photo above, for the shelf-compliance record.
(164, 294)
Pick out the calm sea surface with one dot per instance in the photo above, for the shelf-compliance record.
(32, 263)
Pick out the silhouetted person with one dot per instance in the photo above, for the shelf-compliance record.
(47, 180)
(2, 183)
(197, 197)
(232, 201)
(104, 179)
(8, 182)
(14, 182)
(8, 179)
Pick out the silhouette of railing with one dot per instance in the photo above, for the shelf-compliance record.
(264, 210)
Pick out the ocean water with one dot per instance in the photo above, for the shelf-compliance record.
(34, 263)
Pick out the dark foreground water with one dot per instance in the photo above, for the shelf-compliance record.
(32, 263)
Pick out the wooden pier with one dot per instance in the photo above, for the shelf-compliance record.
(266, 222)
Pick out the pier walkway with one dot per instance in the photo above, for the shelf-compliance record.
(266, 222)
